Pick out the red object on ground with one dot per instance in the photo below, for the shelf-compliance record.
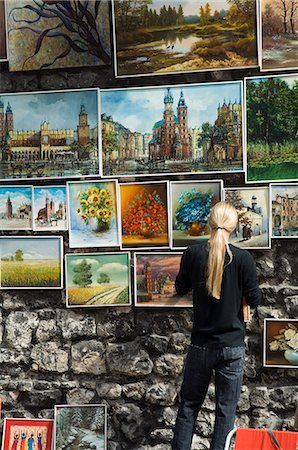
(254, 439)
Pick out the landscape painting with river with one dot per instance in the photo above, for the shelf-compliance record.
(168, 36)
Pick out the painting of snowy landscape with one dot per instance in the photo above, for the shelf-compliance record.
(80, 427)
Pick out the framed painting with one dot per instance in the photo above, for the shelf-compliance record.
(27, 434)
(31, 262)
(280, 343)
(278, 28)
(15, 207)
(49, 208)
(178, 36)
(154, 279)
(93, 214)
(191, 202)
(80, 426)
(172, 130)
(49, 134)
(144, 215)
(55, 34)
(97, 279)
(3, 36)
(252, 205)
(271, 145)
(284, 210)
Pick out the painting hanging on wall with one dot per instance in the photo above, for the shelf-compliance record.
(280, 343)
(3, 41)
(278, 28)
(57, 34)
(252, 205)
(97, 279)
(172, 130)
(154, 277)
(49, 210)
(15, 207)
(31, 262)
(191, 203)
(49, 134)
(284, 210)
(271, 128)
(175, 36)
(27, 434)
(80, 426)
(93, 214)
(144, 215)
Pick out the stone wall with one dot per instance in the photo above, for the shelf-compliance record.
(132, 359)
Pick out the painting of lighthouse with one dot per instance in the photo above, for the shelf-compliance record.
(15, 207)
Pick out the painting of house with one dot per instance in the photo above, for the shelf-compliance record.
(49, 208)
(284, 210)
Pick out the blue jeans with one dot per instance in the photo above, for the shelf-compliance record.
(227, 363)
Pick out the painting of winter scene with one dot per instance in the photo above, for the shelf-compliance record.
(284, 210)
(252, 205)
(97, 279)
(271, 128)
(172, 36)
(49, 208)
(93, 214)
(3, 47)
(31, 262)
(191, 203)
(15, 207)
(279, 26)
(178, 129)
(49, 134)
(155, 275)
(56, 34)
(81, 427)
(280, 343)
(21, 434)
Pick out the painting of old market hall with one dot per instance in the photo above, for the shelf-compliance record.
(196, 128)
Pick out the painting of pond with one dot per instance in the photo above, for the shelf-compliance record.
(172, 36)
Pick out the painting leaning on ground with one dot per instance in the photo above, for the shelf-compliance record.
(272, 124)
(168, 36)
(279, 39)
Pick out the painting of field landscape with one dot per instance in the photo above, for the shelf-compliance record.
(170, 36)
(97, 279)
(155, 275)
(272, 124)
(279, 27)
(15, 207)
(31, 262)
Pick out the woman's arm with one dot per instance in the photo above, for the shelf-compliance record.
(183, 280)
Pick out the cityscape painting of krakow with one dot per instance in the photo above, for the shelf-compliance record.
(181, 129)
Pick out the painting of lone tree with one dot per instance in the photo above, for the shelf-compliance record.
(170, 36)
(272, 124)
(279, 20)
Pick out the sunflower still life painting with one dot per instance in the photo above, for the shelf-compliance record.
(281, 343)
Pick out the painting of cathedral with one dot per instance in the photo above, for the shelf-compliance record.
(49, 208)
(49, 134)
(172, 130)
(3, 41)
(154, 276)
(284, 210)
(253, 227)
(15, 207)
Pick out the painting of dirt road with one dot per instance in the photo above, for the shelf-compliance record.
(170, 36)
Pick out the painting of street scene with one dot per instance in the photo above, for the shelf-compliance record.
(191, 203)
(19, 434)
(31, 262)
(80, 427)
(172, 36)
(155, 275)
(271, 124)
(97, 279)
(279, 27)
(3, 49)
(178, 129)
(49, 135)
(49, 208)
(252, 205)
(15, 207)
(284, 210)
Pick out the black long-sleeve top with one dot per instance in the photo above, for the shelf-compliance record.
(218, 323)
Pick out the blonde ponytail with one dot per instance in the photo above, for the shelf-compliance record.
(222, 221)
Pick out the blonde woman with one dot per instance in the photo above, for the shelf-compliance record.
(219, 275)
